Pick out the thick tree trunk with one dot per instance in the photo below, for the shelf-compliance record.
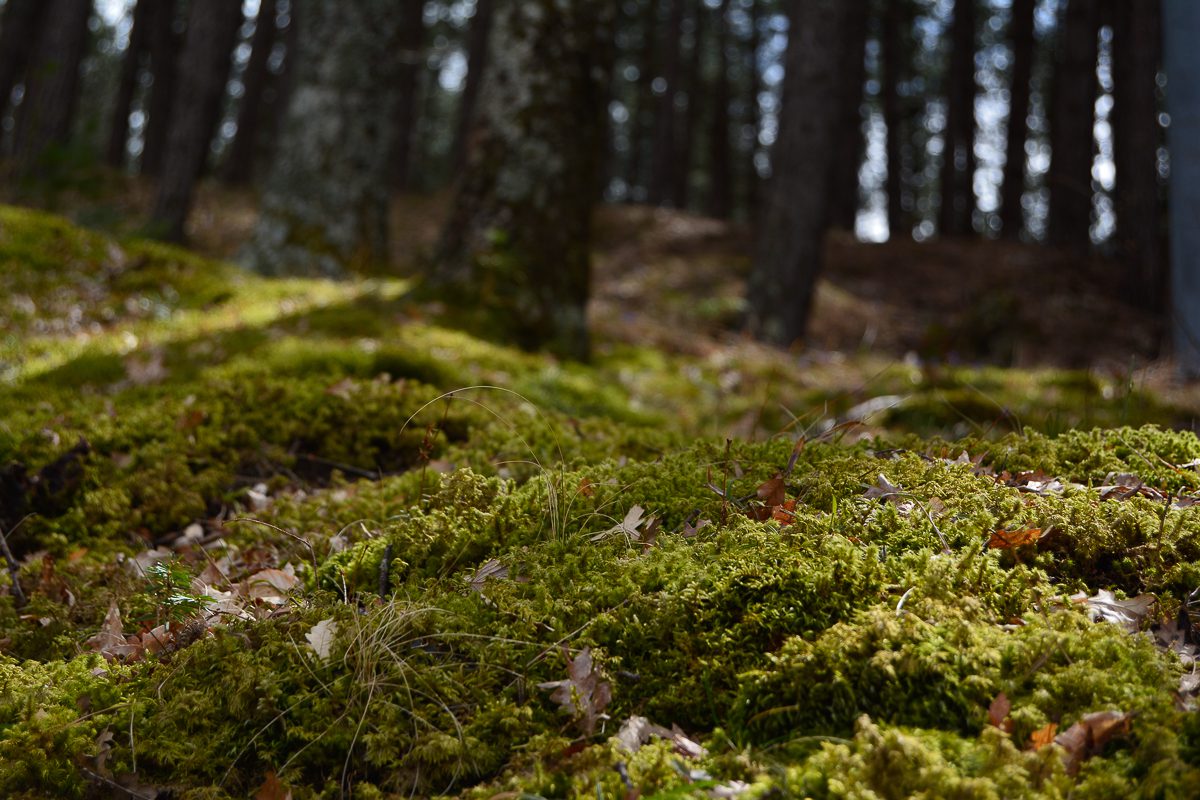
(1072, 120)
(958, 154)
(793, 224)
(131, 64)
(204, 70)
(164, 43)
(412, 60)
(1013, 188)
(1181, 31)
(477, 53)
(894, 22)
(720, 156)
(666, 138)
(517, 243)
(239, 163)
(1137, 49)
(19, 29)
(848, 152)
(52, 83)
(325, 203)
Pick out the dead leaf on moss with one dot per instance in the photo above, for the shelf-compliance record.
(637, 731)
(998, 713)
(627, 527)
(1088, 736)
(1003, 540)
(272, 788)
(269, 585)
(110, 640)
(490, 569)
(1127, 614)
(1043, 737)
(320, 638)
(585, 694)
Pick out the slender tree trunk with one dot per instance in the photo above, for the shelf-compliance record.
(325, 203)
(21, 26)
(1072, 120)
(893, 24)
(239, 163)
(1137, 49)
(666, 139)
(1013, 187)
(720, 196)
(517, 243)
(754, 89)
(641, 125)
(204, 65)
(680, 194)
(477, 53)
(52, 82)
(412, 60)
(164, 43)
(849, 145)
(279, 88)
(788, 256)
(131, 64)
(958, 154)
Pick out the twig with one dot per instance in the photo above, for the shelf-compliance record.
(14, 569)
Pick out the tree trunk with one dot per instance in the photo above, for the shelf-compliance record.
(1181, 31)
(238, 168)
(477, 53)
(325, 204)
(666, 139)
(849, 145)
(1072, 120)
(753, 107)
(720, 195)
(163, 43)
(517, 243)
(686, 144)
(279, 88)
(894, 20)
(22, 23)
(52, 83)
(131, 64)
(204, 70)
(793, 224)
(1137, 48)
(641, 124)
(958, 153)
(412, 59)
(1013, 187)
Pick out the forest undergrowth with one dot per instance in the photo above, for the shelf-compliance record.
(301, 538)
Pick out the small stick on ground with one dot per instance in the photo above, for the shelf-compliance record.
(14, 569)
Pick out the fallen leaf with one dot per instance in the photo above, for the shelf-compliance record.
(320, 638)
(772, 492)
(1002, 539)
(1043, 737)
(110, 640)
(269, 585)
(883, 489)
(272, 789)
(584, 693)
(637, 731)
(627, 527)
(1128, 614)
(1089, 735)
(587, 488)
(492, 569)
(998, 713)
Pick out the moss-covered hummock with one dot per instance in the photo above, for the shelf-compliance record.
(844, 630)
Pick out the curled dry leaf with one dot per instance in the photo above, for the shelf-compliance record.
(110, 641)
(490, 569)
(637, 731)
(1003, 540)
(1128, 614)
(320, 638)
(585, 694)
(269, 585)
(1088, 736)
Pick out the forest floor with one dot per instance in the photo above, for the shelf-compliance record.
(302, 538)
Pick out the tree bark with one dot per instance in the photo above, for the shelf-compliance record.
(666, 138)
(163, 44)
(641, 116)
(238, 168)
(412, 59)
(1013, 187)
(52, 83)
(958, 153)
(517, 242)
(849, 145)
(894, 20)
(204, 70)
(754, 109)
(477, 53)
(788, 256)
(720, 195)
(22, 24)
(325, 204)
(1071, 136)
(131, 64)
(1137, 50)
(686, 144)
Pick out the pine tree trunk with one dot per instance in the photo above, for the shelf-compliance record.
(666, 138)
(325, 203)
(1072, 120)
(19, 29)
(958, 154)
(131, 64)
(686, 144)
(720, 196)
(238, 168)
(52, 83)
(641, 116)
(1013, 187)
(753, 107)
(477, 51)
(412, 60)
(893, 24)
(164, 48)
(849, 146)
(279, 88)
(204, 70)
(1137, 48)
(517, 243)
(793, 224)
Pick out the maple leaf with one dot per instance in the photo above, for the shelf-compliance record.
(584, 693)
(1003, 540)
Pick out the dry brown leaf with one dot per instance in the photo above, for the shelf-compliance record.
(587, 488)
(998, 713)
(1043, 737)
(1089, 735)
(772, 492)
(272, 788)
(1003, 540)
(584, 693)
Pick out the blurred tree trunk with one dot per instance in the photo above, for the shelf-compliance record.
(239, 163)
(1013, 187)
(895, 20)
(1137, 51)
(1071, 123)
(477, 51)
(52, 82)
(666, 138)
(412, 59)
(754, 109)
(279, 87)
(1181, 31)
(325, 203)
(958, 152)
(204, 70)
(720, 195)
(19, 29)
(131, 65)
(848, 147)
(641, 117)
(163, 43)
(680, 194)
(793, 224)
(517, 242)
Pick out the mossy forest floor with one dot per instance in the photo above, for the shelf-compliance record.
(298, 538)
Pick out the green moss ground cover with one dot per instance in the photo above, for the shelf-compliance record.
(270, 540)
